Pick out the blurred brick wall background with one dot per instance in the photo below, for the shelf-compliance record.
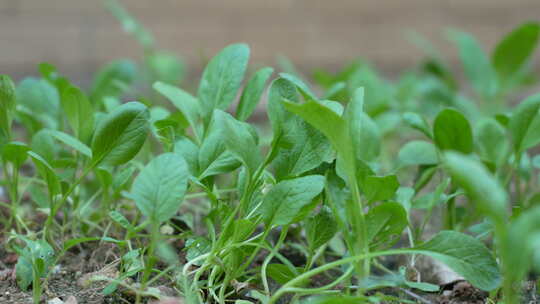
(80, 35)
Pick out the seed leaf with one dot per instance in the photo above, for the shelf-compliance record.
(418, 152)
(452, 131)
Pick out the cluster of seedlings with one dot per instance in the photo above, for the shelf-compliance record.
(312, 207)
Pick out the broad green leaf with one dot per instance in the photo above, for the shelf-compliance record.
(522, 122)
(418, 152)
(491, 141)
(385, 223)
(190, 152)
(43, 144)
(333, 126)
(304, 148)
(477, 67)
(452, 131)
(183, 101)
(279, 90)
(214, 158)
(197, 247)
(72, 142)
(79, 112)
(15, 152)
(47, 173)
(41, 98)
(282, 274)
(239, 140)
(7, 106)
(252, 93)
(120, 134)
(37, 254)
(286, 199)
(304, 89)
(159, 189)
(222, 78)
(466, 255)
(515, 49)
(379, 188)
(418, 122)
(482, 188)
(320, 228)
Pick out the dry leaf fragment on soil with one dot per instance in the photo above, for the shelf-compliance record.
(168, 301)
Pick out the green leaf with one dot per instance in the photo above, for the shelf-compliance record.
(160, 187)
(47, 173)
(239, 140)
(482, 188)
(214, 158)
(15, 152)
(165, 67)
(418, 152)
(282, 274)
(521, 245)
(280, 89)
(522, 124)
(7, 106)
(120, 134)
(465, 255)
(304, 89)
(320, 228)
(515, 49)
(72, 142)
(335, 299)
(418, 122)
(333, 126)
(452, 131)
(379, 188)
(285, 200)
(252, 93)
(183, 101)
(492, 142)
(365, 135)
(37, 254)
(385, 223)
(41, 98)
(478, 68)
(190, 152)
(79, 112)
(304, 148)
(222, 78)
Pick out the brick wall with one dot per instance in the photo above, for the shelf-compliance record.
(79, 35)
